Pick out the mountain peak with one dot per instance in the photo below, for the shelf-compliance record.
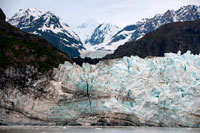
(49, 13)
(190, 6)
(49, 16)
(50, 27)
(25, 16)
(103, 33)
(29, 11)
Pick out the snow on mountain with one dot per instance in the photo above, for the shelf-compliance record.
(100, 37)
(86, 29)
(24, 17)
(50, 27)
(56, 25)
(104, 32)
(98, 40)
(138, 30)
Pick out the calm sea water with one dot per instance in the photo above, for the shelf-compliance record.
(95, 130)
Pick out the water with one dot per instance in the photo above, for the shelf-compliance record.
(95, 130)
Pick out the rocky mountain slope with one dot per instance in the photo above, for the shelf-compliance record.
(138, 30)
(18, 49)
(174, 37)
(49, 27)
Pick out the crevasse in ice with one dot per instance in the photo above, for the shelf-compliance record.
(161, 90)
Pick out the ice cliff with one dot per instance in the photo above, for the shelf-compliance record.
(155, 91)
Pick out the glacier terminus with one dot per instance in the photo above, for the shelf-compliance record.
(155, 91)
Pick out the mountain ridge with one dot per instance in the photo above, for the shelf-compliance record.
(136, 31)
(172, 37)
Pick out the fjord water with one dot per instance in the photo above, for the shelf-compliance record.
(96, 130)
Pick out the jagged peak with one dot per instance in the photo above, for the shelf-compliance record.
(172, 12)
(29, 11)
(190, 6)
(50, 16)
(25, 14)
(49, 13)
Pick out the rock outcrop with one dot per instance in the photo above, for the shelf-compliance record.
(2, 15)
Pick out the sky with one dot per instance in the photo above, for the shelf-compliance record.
(119, 12)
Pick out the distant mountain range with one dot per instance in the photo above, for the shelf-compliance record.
(96, 40)
(173, 37)
(49, 27)
(138, 30)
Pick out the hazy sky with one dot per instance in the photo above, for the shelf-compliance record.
(120, 12)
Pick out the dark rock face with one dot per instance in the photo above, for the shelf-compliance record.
(22, 79)
(174, 37)
(2, 15)
(20, 88)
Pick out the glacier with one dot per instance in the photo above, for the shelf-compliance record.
(163, 90)
(155, 91)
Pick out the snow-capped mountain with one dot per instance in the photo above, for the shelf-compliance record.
(103, 33)
(50, 27)
(24, 17)
(100, 37)
(138, 30)
(86, 29)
